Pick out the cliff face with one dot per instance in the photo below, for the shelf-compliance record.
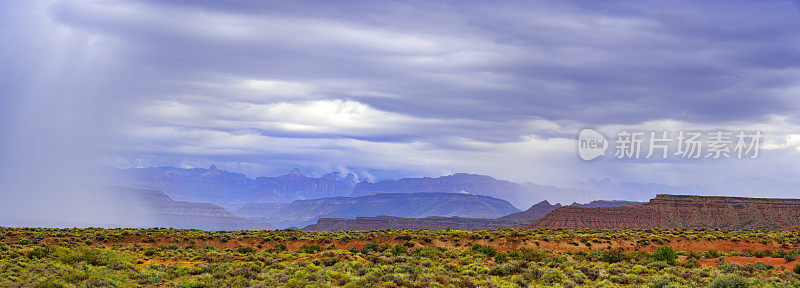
(295, 186)
(678, 211)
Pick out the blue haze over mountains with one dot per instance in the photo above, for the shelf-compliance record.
(302, 213)
(234, 190)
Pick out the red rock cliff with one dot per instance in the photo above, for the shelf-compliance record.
(679, 211)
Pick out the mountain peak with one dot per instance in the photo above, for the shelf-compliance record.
(213, 168)
(536, 211)
(295, 172)
(543, 203)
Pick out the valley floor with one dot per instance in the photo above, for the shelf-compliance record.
(397, 258)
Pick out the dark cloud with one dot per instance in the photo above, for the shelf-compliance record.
(450, 77)
(519, 60)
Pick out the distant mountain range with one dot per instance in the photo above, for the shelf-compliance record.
(520, 195)
(232, 190)
(681, 211)
(297, 200)
(410, 205)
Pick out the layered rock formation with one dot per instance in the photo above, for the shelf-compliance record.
(411, 205)
(388, 222)
(296, 186)
(460, 223)
(514, 220)
(679, 211)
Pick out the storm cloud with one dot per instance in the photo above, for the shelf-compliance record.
(397, 89)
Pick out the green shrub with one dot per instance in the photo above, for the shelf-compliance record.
(92, 256)
(191, 284)
(691, 264)
(38, 253)
(399, 249)
(120, 265)
(485, 250)
(126, 262)
(730, 281)
(658, 265)
(665, 253)
(552, 277)
(510, 268)
(590, 272)
(660, 282)
(728, 267)
(246, 250)
(762, 267)
(612, 256)
(762, 253)
(371, 246)
(500, 258)
(310, 249)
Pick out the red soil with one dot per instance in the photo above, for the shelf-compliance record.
(502, 243)
(779, 263)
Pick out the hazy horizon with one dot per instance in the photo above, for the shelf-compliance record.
(388, 90)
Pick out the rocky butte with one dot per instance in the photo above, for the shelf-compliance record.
(680, 211)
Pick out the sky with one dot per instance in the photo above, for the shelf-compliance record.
(389, 89)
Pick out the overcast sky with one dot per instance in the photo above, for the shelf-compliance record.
(395, 89)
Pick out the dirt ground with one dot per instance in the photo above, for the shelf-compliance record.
(778, 263)
(504, 243)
